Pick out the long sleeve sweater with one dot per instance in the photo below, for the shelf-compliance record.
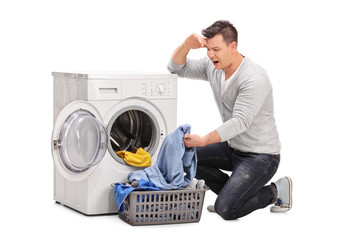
(246, 107)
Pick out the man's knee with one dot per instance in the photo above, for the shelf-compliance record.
(224, 210)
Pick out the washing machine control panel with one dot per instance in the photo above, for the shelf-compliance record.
(155, 88)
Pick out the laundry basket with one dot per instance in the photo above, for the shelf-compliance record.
(163, 207)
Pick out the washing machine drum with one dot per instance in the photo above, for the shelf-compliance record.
(131, 130)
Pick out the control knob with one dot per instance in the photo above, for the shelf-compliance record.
(160, 89)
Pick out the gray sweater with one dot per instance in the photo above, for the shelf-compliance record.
(246, 107)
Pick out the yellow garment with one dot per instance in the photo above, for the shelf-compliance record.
(139, 159)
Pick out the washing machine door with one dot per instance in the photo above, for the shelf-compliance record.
(79, 139)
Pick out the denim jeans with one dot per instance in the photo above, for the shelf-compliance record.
(244, 191)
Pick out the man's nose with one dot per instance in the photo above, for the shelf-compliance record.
(210, 54)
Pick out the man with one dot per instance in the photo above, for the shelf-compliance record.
(247, 143)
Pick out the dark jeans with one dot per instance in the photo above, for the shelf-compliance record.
(244, 191)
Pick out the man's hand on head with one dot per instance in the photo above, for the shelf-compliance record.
(195, 41)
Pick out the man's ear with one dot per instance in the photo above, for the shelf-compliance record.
(233, 47)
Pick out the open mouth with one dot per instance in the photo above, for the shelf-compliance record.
(215, 62)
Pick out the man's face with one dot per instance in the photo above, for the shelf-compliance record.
(219, 53)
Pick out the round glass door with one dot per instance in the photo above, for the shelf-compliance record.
(82, 141)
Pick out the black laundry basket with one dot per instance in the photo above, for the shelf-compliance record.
(163, 207)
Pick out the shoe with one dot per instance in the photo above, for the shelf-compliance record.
(211, 208)
(284, 195)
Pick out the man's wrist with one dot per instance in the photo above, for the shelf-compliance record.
(211, 138)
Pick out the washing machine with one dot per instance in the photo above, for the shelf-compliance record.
(95, 116)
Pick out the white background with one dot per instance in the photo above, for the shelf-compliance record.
(310, 49)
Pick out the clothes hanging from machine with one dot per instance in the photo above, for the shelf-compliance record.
(139, 159)
(175, 167)
(121, 191)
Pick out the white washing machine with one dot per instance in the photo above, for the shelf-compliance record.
(98, 114)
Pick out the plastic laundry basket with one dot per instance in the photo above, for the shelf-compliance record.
(163, 207)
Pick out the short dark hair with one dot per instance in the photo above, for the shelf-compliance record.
(223, 27)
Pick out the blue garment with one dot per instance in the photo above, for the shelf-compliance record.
(173, 161)
(122, 191)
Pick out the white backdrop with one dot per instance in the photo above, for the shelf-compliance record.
(309, 48)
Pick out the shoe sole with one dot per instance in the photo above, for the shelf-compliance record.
(290, 190)
(277, 209)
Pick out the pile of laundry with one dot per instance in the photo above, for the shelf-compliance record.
(175, 168)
